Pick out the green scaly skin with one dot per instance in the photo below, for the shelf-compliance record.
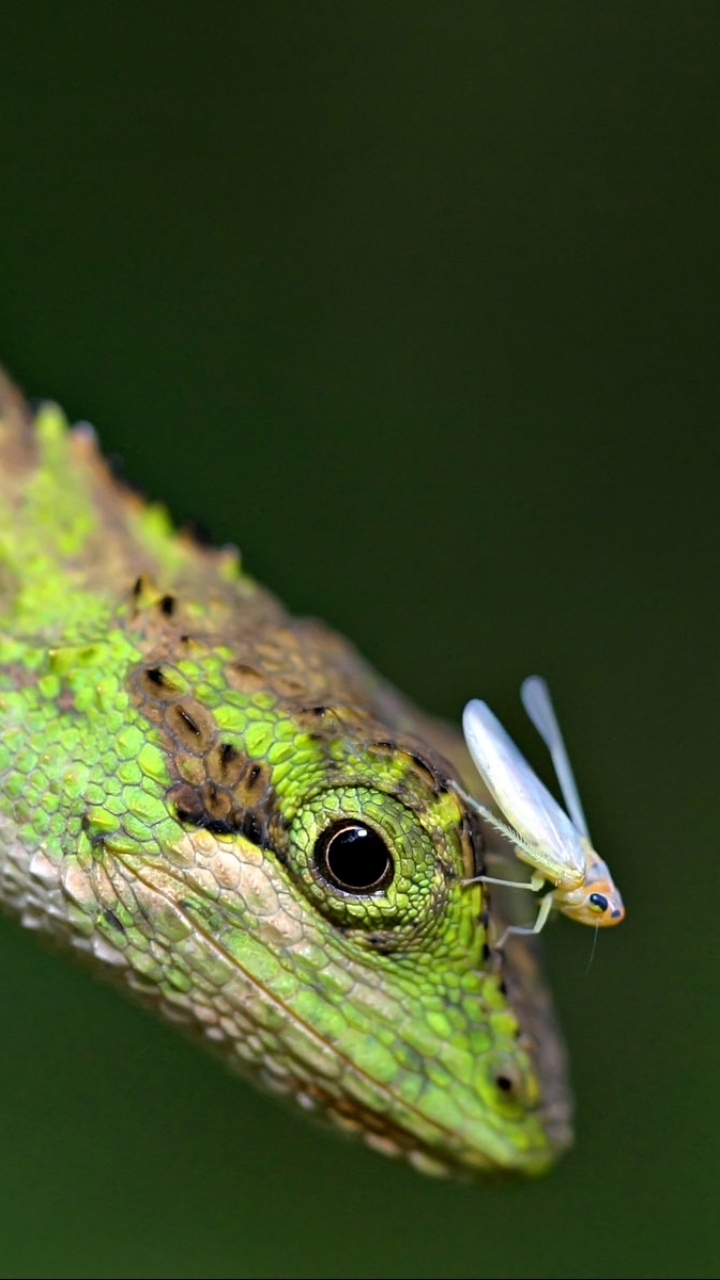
(172, 746)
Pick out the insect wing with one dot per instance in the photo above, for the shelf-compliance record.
(538, 704)
(548, 840)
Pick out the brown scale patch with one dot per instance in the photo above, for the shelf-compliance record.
(272, 656)
(218, 809)
(153, 712)
(22, 677)
(253, 786)
(190, 768)
(426, 769)
(244, 677)
(224, 763)
(143, 589)
(217, 786)
(157, 617)
(217, 803)
(160, 683)
(316, 720)
(187, 802)
(471, 846)
(288, 685)
(339, 720)
(66, 700)
(191, 726)
(245, 806)
(422, 766)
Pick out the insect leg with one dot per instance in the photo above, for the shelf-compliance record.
(545, 908)
(535, 882)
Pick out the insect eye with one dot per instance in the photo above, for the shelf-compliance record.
(353, 857)
(598, 902)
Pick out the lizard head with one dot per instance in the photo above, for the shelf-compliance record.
(235, 816)
(321, 871)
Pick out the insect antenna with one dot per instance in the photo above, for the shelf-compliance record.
(588, 966)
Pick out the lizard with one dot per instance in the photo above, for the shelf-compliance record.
(226, 811)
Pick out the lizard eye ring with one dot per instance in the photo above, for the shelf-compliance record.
(354, 858)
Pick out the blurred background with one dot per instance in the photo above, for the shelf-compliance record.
(418, 303)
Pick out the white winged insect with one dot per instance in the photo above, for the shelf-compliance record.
(556, 846)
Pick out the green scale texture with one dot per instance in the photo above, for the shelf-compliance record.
(173, 747)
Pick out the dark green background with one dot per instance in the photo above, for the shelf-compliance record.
(418, 303)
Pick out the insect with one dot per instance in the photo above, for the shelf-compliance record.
(555, 845)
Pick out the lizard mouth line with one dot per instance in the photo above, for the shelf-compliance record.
(269, 996)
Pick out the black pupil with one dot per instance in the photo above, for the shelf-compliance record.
(354, 858)
(599, 900)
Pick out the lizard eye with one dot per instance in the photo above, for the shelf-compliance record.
(354, 858)
(369, 865)
(598, 902)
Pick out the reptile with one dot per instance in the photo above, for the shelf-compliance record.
(226, 811)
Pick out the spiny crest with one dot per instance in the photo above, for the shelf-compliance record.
(64, 503)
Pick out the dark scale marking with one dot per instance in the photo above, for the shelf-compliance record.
(187, 802)
(189, 814)
(383, 943)
(210, 807)
(252, 830)
(219, 826)
(157, 684)
(425, 769)
(187, 718)
(223, 764)
(228, 754)
(168, 605)
(112, 919)
(251, 786)
(472, 844)
(143, 586)
(96, 839)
